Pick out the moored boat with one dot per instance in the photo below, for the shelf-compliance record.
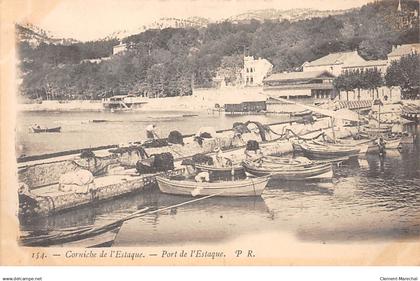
(317, 151)
(46, 130)
(86, 237)
(239, 188)
(223, 173)
(291, 172)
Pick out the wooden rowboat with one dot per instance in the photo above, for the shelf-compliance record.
(46, 130)
(223, 173)
(289, 172)
(246, 187)
(86, 237)
(316, 151)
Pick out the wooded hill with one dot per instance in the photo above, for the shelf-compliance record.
(168, 62)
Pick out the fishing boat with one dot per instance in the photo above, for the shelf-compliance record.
(291, 172)
(373, 132)
(222, 173)
(86, 237)
(38, 129)
(246, 187)
(392, 143)
(317, 151)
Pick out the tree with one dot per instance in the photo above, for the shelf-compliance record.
(373, 80)
(405, 74)
(344, 82)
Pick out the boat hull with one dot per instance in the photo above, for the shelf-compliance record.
(86, 238)
(290, 172)
(328, 152)
(247, 187)
(46, 130)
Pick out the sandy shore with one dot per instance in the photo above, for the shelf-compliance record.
(201, 100)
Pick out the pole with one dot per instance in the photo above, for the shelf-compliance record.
(332, 128)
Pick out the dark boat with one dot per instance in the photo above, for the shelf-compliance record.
(46, 130)
(86, 237)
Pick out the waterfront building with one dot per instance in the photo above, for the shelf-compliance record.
(255, 70)
(334, 62)
(380, 65)
(313, 87)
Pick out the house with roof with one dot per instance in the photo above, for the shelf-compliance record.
(120, 48)
(255, 70)
(311, 87)
(334, 62)
(380, 65)
(403, 50)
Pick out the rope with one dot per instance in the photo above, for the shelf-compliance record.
(306, 139)
(253, 186)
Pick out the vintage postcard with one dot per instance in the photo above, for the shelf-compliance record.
(237, 132)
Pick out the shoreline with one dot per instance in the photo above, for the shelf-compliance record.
(201, 100)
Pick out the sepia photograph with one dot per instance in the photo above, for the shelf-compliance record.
(206, 132)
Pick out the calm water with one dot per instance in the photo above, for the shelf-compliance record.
(78, 130)
(368, 200)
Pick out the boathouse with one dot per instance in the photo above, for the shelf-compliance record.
(248, 107)
(303, 87)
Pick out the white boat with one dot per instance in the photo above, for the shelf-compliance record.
(392, 144)
(246, 187)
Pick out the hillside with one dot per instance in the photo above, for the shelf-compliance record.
(34, 36)
(167, 61)
(279, 15)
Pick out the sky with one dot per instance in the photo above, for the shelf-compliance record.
(93, 19)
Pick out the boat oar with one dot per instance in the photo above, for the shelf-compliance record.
(173, 206)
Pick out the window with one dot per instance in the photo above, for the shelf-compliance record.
(252, 80)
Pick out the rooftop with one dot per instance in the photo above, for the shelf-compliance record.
(335, 58)
(367, 63)
(298, 76)
(405, 50)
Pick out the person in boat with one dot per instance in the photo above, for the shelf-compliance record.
(253, 151)
(202, 177)
(151, 132)
(220, 159)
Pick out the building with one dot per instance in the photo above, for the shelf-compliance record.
(303, 87)
(120, 48)
(255, 70)
(407, 18)
(97, 61)
(333, 63)
(380, 65)
(403, 50)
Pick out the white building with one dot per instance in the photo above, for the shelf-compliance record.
(119, 48)
(333, 63)
(255, 70)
